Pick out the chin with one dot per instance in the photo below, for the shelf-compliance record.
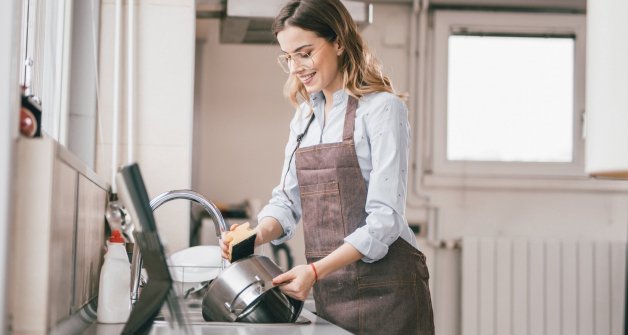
(312, 88)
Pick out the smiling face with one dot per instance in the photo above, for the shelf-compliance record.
(319, 74)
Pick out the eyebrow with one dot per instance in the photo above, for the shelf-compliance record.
(299, 48)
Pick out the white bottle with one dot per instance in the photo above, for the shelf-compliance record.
(114, 291)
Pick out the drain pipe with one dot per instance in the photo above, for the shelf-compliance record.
(422, 83)
(116, 94)
(113, 213)
(418, 61)
(417, 55)
(130, 70)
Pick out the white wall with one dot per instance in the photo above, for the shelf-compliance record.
(9, 107)
(164, 103)
(242, 119)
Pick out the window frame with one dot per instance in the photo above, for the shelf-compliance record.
(446, 23)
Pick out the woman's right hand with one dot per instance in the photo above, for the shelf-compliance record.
(267, 229)
(224, 241)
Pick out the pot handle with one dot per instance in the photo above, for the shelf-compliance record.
(229, 306)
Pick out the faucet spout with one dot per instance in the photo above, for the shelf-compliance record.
(212, 210)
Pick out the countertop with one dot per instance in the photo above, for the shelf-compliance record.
(308, 323)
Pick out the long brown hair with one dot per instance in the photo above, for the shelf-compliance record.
(330, 20)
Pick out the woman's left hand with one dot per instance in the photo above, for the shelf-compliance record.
(297, 282)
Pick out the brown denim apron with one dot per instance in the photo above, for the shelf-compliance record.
(390, 296)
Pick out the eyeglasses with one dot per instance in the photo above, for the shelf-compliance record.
(304, 59)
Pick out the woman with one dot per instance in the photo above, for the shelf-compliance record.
(345, 176)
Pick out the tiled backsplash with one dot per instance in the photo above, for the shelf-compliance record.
(58, 236)
(89, 241)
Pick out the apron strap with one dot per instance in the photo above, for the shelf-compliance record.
(296, 147)
(300, 136)
(349, 127)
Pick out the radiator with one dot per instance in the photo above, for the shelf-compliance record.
(542, 287)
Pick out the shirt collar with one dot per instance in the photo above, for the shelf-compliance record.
(318, 103)
(340, 96)
(317, 98)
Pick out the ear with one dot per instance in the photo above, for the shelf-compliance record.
(339, 48)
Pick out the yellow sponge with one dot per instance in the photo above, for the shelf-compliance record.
(242, 242)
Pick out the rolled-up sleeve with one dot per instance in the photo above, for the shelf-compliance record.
(388, 131)
(286, 211)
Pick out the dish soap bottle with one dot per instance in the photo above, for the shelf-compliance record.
(114, 291)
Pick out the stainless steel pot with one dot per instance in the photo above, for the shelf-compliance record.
(244, 292)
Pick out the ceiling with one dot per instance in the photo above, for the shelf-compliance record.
(249, 21)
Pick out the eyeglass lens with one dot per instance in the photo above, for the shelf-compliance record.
(296, 59)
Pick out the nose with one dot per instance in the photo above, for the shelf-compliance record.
(296, 67)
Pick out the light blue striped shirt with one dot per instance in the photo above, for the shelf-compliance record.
(382, 136)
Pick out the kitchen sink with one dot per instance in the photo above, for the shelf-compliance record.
(308, 323)
(193, 315)
(195, 324)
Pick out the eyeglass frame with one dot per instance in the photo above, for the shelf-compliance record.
(288, 60)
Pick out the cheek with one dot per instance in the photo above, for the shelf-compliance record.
(330, 67)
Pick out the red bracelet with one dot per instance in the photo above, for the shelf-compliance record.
(315, 273)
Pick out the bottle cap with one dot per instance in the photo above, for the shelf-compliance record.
(116, 237)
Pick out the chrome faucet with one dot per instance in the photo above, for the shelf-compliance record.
(212, 210)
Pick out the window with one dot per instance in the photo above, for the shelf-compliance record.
(46, 60)
(508, 94)
(59, 66)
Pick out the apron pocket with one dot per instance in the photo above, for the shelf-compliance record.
(388, 307)
(322, 218)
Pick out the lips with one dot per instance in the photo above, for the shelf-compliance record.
(307, 79)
